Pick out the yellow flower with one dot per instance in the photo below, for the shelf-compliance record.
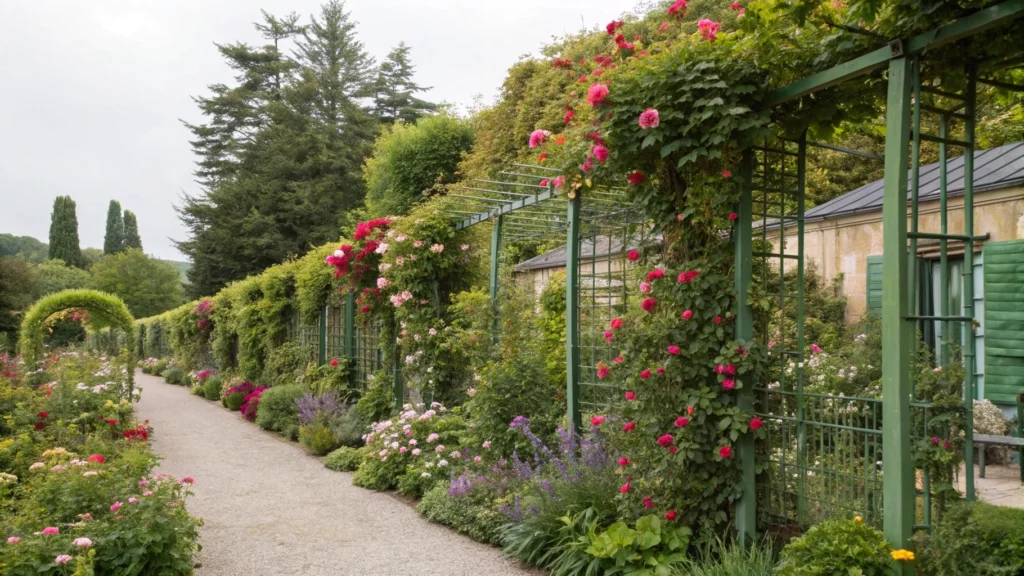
(902, 555)
(858, 520)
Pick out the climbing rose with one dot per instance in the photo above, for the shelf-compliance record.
(624, 488)
(188, 480)
(682, 422)
(537, 137)
(633, 255)
(718, 319)
(51, 530)
(688, 276)
(619, 360)
(678, 9)
(623, 461)
(596, 94)
(665, 441)
(544, 182)
(649, 119)
(733, 216)
(645, 374)
(628, 426)
(543, 156)
(597, 420)
(725, 451)
(648, 503)
(620, 38)
(559, 181)
(630, 395)
(601, 153)
(689, 410)
(670, 515)
(334, 361)
(664, 26)
(602, 371)
(608, 335)
(616, 323)
(645, 287)
(674, 350)
(655, 274)
(648, 304)
(756, 423)
(613, 26)
(815, 348)
(636, 177)
(687, 314)
(726, 174)
(98, 458)
(582, 80)
(708, 30)
(736, 6)
(660, 370)
(728, 384)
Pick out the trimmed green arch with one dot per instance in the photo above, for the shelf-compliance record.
(105, 311)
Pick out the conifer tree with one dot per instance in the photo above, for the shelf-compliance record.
(394, 89)
(131, 231)
(64, 232)
(113, 240)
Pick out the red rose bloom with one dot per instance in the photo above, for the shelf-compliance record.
(602, 370)
(648, 503)
(628, 426)
(334, 361)
(665, 441)
(608, 335)
(670, 515)
(686, 315)
(636, 177)
(756, 423)
(112, 422)
(619, 360)
(689, 410)
(98, 458)
(648, 304)
(623, 461)
(645, 374)
(728, 384)
(733, 216)
(597, 420)
(630, 395)
(43, 414)
(655, 274)
(682, 422)
(633, 255)
(725, 451)
(718, 319)
(616, 323)
(624, 488)
(673, 449)
(40, 425)
(660, 370)
(674, 350)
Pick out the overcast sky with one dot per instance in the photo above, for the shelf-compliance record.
(92, 90)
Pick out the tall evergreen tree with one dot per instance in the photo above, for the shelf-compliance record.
(131, 231)
(394, 89)
(113, 240)
(64, 232)
(281, 154)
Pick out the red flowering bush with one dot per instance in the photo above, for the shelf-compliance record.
(251, 402)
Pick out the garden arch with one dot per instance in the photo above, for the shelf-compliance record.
(104, 311)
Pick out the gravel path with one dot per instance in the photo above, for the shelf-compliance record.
(271, 509)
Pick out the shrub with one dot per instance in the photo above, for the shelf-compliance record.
(317, 437)
(285, 364)
(277, 408)
(211, 388)
(378, 402)
(236, 395)
(174, 375)
(975, 538)
(474, 515)
(250, 404)
(348, 427)
(344, 459)
(837, 547)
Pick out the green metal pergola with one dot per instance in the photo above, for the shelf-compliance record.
(840, 448)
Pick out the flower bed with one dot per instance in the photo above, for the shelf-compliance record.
(76, 481)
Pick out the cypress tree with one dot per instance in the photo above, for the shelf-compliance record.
(113, 240)
(394, 89)
(131, 231)
(64, 232)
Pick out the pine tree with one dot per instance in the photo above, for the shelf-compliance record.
(394, 89)
(131, 231)
(64, 232)
(113, 240)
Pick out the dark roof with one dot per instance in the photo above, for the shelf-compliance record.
(556, 258)
(996, 168)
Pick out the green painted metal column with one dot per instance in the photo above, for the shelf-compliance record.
(496, 227)
(968, 286)
(322, 337)
(350, 334)
(572, 313)
(746, 508)
(897, 331)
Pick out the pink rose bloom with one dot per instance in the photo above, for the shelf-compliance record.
(487, 444)
(687, 314)
(624, 488)
(537, 137)
(665, 441)
(601, 153)
(597, 420)
(403, 450)
(432, 438)
(815, 348)
(143, 482)
(116, 507)
(728, 384)
(608, 335)
(664, 26)
(645, 287)
(62, 559)
(628, 426)
(558, 182)
(13, 540)
(616, 323)
(132, 500)
(596, 94)
(674, 350)
(708, 29)
(82, 542)
(147, 493)
(602, 371)
(682, 422)
(477, 459)
(678, 9)
(630, 395)
(51, 530)
(726, 174)
(649, 119)
(725, 451)
(188, 480)
(645, 374)
(416, 451)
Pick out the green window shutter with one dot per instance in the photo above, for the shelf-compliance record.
(874, 287)
(1004, 320)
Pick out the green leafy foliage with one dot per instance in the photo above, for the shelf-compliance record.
(475, 516)
(277, 409)
(837, 547)
(105, 310)
(651, 548)
(344, 459)
(147, 286)
(975, 538)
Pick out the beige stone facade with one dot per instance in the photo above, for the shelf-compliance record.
(842, 245)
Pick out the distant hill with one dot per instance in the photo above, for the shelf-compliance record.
(32, 250)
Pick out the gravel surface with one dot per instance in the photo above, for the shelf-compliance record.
(271, 509)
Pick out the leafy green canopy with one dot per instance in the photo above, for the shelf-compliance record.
(147, 286)
(412, 161)
(104, 311)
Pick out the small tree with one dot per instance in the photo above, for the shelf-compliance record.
(147, 286)
(64, 232)
(113, 240)
(54, 276)
(131, 231)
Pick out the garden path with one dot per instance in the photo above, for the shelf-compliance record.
(271, 509)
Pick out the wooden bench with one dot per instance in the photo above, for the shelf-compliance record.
(984, 439)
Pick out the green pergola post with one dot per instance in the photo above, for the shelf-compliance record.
(495, 249)
(350, 334)
(322, 337)
(968, 283)
(897, 331)
(572, 310)
(746, 508)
